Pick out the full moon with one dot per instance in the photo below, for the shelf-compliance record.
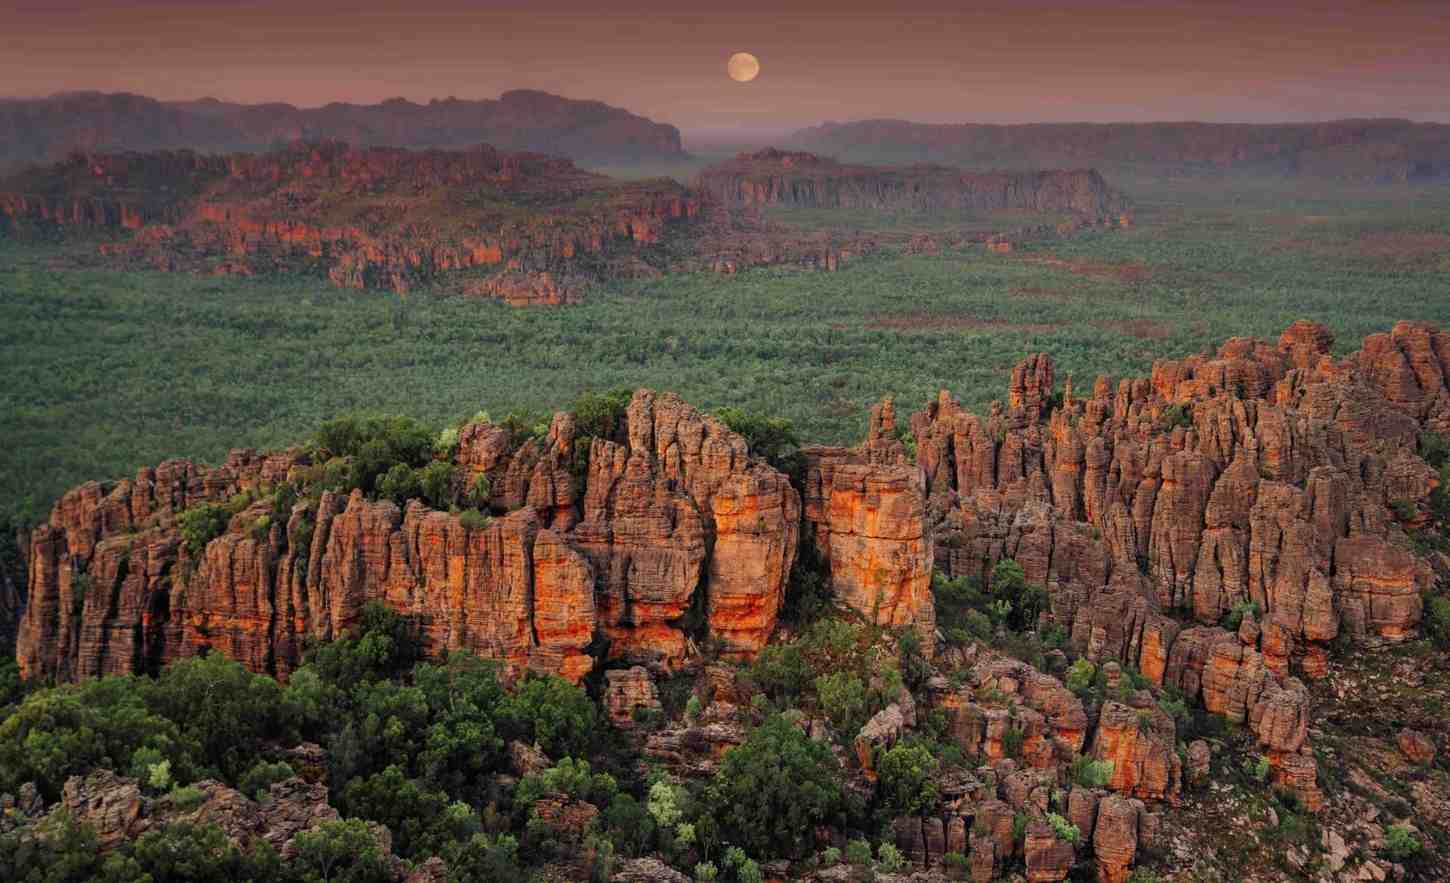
(743, 67)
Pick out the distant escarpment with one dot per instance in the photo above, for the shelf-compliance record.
(376, 217)
(524, 228)
(1218, 525)
(45, 130)
(1378, 151)
(804, 180)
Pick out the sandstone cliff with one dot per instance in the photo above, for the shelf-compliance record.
(1381, 151)
(671, 514)
(804, 180)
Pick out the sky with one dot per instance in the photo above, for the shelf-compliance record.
(924, 60)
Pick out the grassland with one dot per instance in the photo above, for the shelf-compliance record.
(106, 371)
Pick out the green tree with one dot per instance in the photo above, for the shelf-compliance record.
(70, 730)
(549, 711)
(66, 852)
(845, 700)
(341, 851)
(774, 788)
(182, 852)
(905, 780)
(771, 438)
(484, 859)
(223, 709)
(423, 821)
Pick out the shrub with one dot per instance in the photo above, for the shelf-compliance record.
(484, 859)
(1437, 620)
(202, 523)
(479, 492)
(472, 519)
(890, 858)
(665, 803)
(780, 672)
(1401, 842)
(1258, 768)
(1064, 829)
(1405, 510)
(549, 710)
(831, 856)
(1175, 416)
(1027, 600)
(571, 777)
(959, 608)
(262, 776)
(1012, 741)
(1091, 773)
(858, 853)
(706, 872)
(843, 698)
(598, 414)
(1080, 676)
(1235, 616)
(186, 797)
(399, 484)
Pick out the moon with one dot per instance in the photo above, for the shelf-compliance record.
(743, 67)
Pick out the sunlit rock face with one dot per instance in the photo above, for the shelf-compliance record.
(671, 514)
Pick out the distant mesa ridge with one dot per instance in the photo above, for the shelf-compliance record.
(43, 130)
(805, 180)
(541, 227)
(1373, 151)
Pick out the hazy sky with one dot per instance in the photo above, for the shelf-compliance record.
(999, 61)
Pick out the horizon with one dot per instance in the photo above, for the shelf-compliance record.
(1044, 61)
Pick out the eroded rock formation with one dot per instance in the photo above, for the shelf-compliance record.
(673, 514)
(1271, 475)
(865, 512)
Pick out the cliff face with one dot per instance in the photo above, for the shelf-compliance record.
(48, 129)
(804, 180)
(377, 217)
(1381, 151)
(673, 510)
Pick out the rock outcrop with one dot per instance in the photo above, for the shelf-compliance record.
(115, 807)
(1263, 480)
(673, 515)
(865, 512)
(1262, 474)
